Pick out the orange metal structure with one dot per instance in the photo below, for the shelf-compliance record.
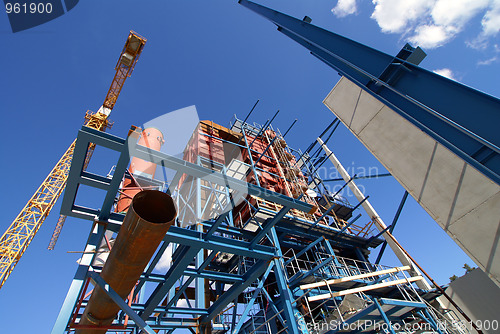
(275, 168)
(153, 139)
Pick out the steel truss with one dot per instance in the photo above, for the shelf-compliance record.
(224, 277)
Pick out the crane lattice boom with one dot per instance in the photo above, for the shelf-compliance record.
(21, 232)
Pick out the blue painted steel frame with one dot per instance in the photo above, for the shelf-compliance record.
(76, 177)
(119, 301)
(192, 242)
(255, 294)
(75, 289)
(437, 105)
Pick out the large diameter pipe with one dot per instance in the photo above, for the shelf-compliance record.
(147, 221)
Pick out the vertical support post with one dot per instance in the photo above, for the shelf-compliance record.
(384, 316)
(250, 155)
(199, 282)
(285, 293)
(64, 316)
(335, 260)
(379, 223)
(235, 302)
(393, 225)
(430, 320)
(250, 303)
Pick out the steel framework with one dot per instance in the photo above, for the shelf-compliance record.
(416, 117)
(243, 258)
(435, 104)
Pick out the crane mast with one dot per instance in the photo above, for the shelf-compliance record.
(21, 232)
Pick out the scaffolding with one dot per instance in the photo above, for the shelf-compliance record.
(260, 244)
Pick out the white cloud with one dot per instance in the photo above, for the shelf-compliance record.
(394, 16)
(491, 20)
(433, 23)
(488, 61)
(456, 13)
(445, 72)
(478, 43)
(344, 8)
(491, 60)
(431, 36)
(165, 261)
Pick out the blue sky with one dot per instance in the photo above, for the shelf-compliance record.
(221, 58)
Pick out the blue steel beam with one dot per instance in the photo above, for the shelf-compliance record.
(311, 146)
(250, 303)
(229, 230)
(119, 301)
(151, 266)
(305, 249)
(172, 275)
(161, 309)
(268, 226)
(75, 178)
(273, 307)
(303, 275)
(384, 316)
(437, 105)
(121, 167)
(76, 286)
(216, 224)
(196, 274)
(430, 320)
(250, 276)
(332, 206)
(345, 240)
(392, 226)
(94, 180)
(233, 246)
(199, 283)
(285, 293)
(214, 275)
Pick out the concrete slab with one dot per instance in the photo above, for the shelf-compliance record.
(344, 97)
(464, 202)
(478, 297)
(479, 239)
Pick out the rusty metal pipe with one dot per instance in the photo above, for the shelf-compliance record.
(147, 221)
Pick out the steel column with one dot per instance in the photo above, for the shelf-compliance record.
(379, 223)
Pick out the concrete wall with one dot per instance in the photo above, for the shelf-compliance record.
(464, 202)
(479, 298)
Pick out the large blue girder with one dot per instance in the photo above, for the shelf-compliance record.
(461, 118)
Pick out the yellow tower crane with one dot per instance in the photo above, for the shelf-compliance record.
(18, 236)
